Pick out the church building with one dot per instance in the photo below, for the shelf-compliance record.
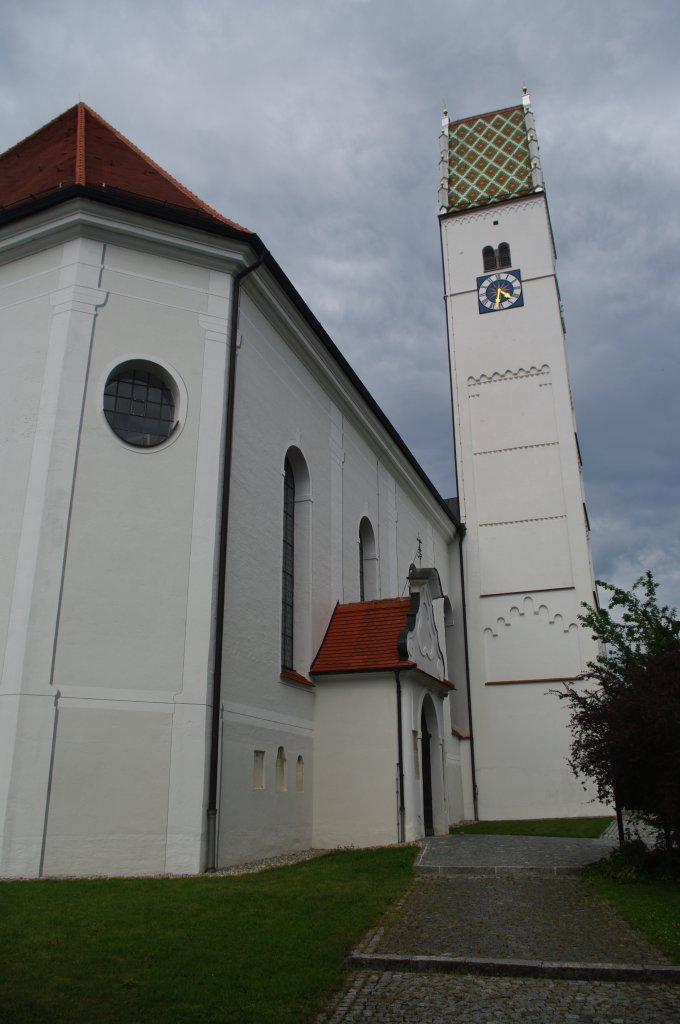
(236, 617)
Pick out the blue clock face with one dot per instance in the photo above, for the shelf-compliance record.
(502, 290)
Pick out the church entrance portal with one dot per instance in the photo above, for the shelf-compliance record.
(428, 820)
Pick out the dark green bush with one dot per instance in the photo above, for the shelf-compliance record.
(634, 862)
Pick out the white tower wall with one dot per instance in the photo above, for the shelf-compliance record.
(526, 554)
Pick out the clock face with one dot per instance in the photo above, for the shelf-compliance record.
(502, 290)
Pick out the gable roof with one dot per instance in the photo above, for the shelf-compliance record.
(80, 149)
(363, 637)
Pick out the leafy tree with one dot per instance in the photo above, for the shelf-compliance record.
(626, 730)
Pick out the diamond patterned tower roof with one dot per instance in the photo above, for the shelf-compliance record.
(489, 158)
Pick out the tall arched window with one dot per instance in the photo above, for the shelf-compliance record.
(296, 564)
(288, 567)
(368, 562)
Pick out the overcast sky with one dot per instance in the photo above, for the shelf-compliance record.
(315, 123)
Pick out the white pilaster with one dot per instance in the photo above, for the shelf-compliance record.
(191, 719)
(26, 691)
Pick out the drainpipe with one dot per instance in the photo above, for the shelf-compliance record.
(400, 765)
(467, 680)
(222, 568)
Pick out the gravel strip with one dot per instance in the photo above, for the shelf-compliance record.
(253, 866)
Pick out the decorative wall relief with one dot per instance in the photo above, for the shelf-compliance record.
(530, 635)
(421, 642)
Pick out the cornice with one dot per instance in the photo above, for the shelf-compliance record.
(84, 217)
(508, 375)
(516, 205)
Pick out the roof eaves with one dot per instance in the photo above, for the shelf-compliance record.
(483, 117)
(302, 307)
(363, 670)
(137, 204)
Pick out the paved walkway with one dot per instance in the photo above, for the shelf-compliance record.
(500, 929)
(509, 855)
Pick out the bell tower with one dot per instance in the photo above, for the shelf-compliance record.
(527, 562)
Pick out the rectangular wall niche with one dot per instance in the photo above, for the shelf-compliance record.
(258, 769)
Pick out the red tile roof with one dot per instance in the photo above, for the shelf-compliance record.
(363, 637)
(79, 148)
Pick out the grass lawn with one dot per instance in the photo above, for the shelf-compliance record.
(651, 905)
(573, 828)
(250, 949)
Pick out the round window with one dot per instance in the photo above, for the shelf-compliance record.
(139, 404)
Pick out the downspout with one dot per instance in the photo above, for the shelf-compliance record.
(467, 679)
(222, 568)
(400, 765)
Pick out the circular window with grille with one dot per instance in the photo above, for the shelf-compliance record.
(140, 403)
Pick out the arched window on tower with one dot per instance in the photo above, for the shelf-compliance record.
(368, 562)
(489, 257)
(504, 258)
(496, 259)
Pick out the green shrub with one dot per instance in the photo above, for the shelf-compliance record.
(634, 862)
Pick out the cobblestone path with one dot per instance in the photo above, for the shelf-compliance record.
(405, 998)
(548, 923)
(557, 919)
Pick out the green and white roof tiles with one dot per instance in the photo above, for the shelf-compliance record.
(489, 158)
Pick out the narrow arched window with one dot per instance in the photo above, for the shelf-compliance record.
(300, 775)
(288, 567)
(504, 258)
(368, 562)
(361, 569)
(489, 257)
(281, 771)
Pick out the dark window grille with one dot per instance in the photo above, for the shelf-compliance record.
(496, 259)
(139, 407)
(504, 258)
(288, 566)
(489, 257)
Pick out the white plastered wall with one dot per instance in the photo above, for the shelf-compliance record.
(110, 553)
(356, 758)
(111, 621)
